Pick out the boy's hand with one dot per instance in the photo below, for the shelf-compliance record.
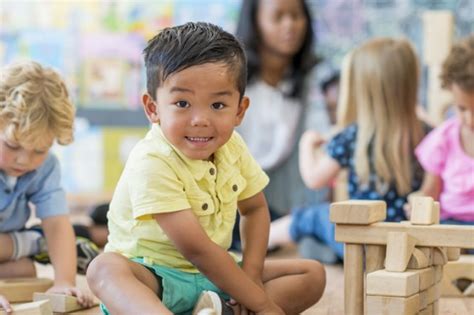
(5, 304)
(271, 308)
(84, 299)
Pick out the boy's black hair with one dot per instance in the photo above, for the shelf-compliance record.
(194, 43)
(303, 61)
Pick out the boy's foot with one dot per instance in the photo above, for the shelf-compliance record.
(86, 252)
(210, 303)
(312, 248)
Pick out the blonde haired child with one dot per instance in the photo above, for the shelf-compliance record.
(380, 80)
(447, 153)
(174, 207)
(35, 110)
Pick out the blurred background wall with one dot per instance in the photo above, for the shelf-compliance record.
(97, 47)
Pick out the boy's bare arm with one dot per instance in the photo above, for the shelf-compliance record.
(254, 230)
(184, 230)
(62, 252)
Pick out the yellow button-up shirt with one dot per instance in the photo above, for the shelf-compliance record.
(157, 178)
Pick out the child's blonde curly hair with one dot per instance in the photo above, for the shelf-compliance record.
(34, 103)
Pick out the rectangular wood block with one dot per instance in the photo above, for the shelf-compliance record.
(400, 246)
(21, 289)
(427, 277)
(32, 308)
(454, 253)
(438, 30)
(388, 305)
(60, 303)
(358, 212)
(383, 282)
(422, 210)
(426, 235)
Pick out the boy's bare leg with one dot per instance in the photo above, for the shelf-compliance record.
(280, 232)
(294, 284)
(124, 286)
(20, 268)
(6, 244)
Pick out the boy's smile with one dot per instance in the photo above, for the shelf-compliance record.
(198, 108)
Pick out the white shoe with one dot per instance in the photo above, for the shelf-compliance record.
(209, 303)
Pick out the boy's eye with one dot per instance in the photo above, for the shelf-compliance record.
(182, 104)
(218, 106)
(12, 146)
(40, 152)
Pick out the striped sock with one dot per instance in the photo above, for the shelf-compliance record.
(25, 243)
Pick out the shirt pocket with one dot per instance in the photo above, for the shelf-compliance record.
(231, 190)
(202, 205)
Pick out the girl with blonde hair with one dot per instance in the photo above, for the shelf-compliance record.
(379, 87)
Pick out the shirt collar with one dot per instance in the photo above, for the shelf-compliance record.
(198, 167)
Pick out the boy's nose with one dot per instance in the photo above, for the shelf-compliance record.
(200, 120)
(23, 158)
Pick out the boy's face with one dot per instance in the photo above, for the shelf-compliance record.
(17, 160)
(198, 109)
(464, 102)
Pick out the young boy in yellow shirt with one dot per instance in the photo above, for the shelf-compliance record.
(35, 110)
(174, 207)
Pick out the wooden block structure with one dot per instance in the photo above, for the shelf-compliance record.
(414, 255)
(60, 303)
(32, 308)
(21, 289)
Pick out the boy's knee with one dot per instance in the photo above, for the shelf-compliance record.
(316, 277)
(102, 266)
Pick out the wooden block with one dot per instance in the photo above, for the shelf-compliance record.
(428, 251)
(469, 291)
(418, 260)
(454, 270)
(439, 271)
(358, 212)
(423, 299)
(440, 256)
(435, 308)
(422, 210)
(425, 311)
(22, 289)
(400, 246)
(454, 253)
(403, 284)
(427, 277)
(353, 279)
(437, 209)
(426, 235)
(388, 305)
(374, 257)
(60, 303)
(434, 293)
(32, 308)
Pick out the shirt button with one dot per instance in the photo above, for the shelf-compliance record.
(235, 187)
(212, 171)
(204, 206)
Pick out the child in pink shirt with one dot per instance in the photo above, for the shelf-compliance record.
(447, 153)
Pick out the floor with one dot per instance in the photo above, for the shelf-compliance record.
(331, 302)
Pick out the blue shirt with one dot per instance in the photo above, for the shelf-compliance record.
(41, 187)
(342, 147)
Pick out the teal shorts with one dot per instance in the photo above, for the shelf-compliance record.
(180, 290)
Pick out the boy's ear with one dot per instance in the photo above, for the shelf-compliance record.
(151, 108)
(243, 106)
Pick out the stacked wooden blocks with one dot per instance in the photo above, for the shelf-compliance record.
(403, 261)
